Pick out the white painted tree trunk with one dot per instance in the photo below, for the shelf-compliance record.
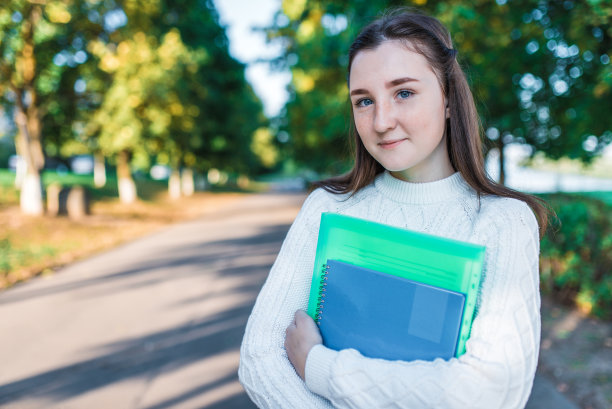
(127, 190)
(187, 183)
(125, 182)
(30, 198)
(28, 170)
(20, 172)
(174, 184)
(99, 171)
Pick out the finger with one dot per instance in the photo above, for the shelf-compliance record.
(290, 327)
(300, 316)
(303, 319)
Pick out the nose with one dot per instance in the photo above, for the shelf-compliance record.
(384, 117)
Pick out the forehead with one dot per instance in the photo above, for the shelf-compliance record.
(390, 60)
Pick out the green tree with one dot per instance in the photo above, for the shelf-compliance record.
(25, 27)
(176, 94)
(229, 111)
(540, 71)
(34, 86)
(141, 104)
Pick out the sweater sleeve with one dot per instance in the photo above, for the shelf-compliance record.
(498, 368)
(265, 371)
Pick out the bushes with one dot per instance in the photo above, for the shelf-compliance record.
(576, 254)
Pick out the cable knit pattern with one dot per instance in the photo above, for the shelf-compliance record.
(499, 365)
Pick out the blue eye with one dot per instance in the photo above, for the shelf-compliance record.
(403, 94)
(364, 102)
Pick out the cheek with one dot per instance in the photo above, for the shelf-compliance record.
(361, 124)
(417, 119)
(430, 118)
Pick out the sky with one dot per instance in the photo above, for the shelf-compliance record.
(246, 45)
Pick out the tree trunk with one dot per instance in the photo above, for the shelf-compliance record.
(502, 161)
(20, 168)
(31, 196)
(187, 183)
(99, 170)
(126, 185)
(174, 184)
(27, 118)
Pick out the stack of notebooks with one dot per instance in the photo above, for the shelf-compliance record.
(392, 293)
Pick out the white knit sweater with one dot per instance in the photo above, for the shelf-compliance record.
(499, 365)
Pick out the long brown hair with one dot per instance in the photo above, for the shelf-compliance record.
(427, 36)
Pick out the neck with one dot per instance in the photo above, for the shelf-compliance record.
(415, 176)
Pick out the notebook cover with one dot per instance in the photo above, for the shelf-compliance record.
(450, 264)
(386, 316)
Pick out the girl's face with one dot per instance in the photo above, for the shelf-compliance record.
(400, 112)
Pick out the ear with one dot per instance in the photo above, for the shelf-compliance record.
(447, 112)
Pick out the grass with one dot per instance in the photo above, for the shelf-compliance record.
(603, 196)
(35, 245)
(38, 245)
(148, 189)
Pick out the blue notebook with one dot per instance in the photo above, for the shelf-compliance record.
(386, 316)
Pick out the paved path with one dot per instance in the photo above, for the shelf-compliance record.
(153, 324)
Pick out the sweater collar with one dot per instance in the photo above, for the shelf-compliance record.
(421, 193)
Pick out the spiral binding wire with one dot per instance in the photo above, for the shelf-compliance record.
(322, 289)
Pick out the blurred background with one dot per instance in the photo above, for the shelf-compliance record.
(121, 116)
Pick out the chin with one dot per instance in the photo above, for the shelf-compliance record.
(395, 167)
(395, 161)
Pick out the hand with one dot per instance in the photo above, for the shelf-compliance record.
(301, 335)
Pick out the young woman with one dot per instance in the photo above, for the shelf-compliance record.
(418, 165)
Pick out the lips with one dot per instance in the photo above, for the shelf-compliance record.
(390, 144)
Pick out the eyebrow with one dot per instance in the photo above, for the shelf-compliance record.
(389, 84)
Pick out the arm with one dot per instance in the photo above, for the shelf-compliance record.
(265, 372)
(499, 365)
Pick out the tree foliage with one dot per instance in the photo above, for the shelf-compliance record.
(142, 81)
(188, 103)
(32, 34)
(540, 71)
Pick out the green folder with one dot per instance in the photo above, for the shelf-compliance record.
(437, 261)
